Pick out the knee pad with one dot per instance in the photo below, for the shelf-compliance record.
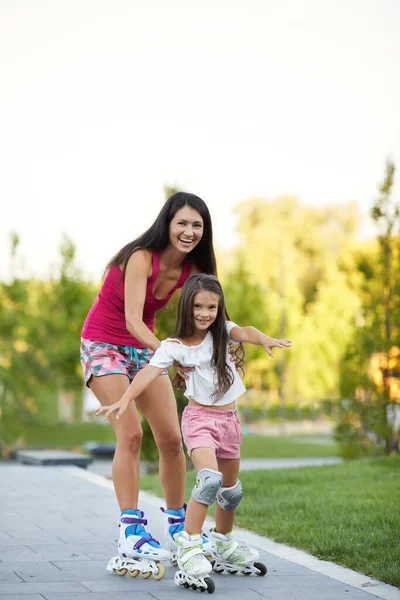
(229, 497)
(207, 486)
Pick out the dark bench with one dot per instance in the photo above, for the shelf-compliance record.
(53, 458)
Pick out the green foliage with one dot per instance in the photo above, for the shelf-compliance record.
(40, 323)
(371, 368)
(21, 369)
(292, 254)
(67, 299)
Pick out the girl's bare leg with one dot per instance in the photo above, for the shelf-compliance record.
(203, 458)
(158, 406)
(128, 430)
(224, 519)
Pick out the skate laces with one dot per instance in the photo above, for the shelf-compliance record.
(134, 518)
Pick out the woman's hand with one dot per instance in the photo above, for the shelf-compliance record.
(232, 352)
(119, 406)
(181, 370)
(274, 343)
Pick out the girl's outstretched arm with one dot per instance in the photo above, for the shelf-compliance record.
(138, 385)
(251, 335)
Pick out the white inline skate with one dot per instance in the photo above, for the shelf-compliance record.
(138, 551)
(194, 566)
(234, 557)
(174, 521)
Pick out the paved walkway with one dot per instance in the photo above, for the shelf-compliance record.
(58, 531)
(103, 466)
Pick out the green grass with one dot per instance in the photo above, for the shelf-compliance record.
(347, 513)
(256, 446)
(67, 436)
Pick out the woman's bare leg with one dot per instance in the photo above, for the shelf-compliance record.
(128, 430)
(158, 406)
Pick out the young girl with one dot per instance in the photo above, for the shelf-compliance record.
(210, 424)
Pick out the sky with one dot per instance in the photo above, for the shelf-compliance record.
(103, 102)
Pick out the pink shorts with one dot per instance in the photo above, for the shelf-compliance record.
(219, 429)
(101, 358)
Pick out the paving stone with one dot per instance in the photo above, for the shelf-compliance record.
(23, 588)
(13, 553)
(58, 533)
(131, 595)
(18, 596)
(58, 552)
(37, 537)
(177, 593)
(8, 577)
(36, 571)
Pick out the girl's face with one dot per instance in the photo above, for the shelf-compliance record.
(186, 229)
(205, 309)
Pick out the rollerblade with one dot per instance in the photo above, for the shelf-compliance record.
(234, 557)
(194, 566)
(174, 524)
(138, 551)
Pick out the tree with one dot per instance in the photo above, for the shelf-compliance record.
(64, 304)
(386, 214)
(370, 371)
(23, 366)
(294, 254)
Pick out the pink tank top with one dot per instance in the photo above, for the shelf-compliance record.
(106, 319)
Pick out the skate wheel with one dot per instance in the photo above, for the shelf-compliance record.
(161, 572)
(121, 572)
(186, 585)
(218, 569)
(232, 572)
(261, 567)
(210, 585)
(146, 575)
(134, 573)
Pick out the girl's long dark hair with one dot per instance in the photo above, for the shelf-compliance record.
(185, 328)
(157, 236)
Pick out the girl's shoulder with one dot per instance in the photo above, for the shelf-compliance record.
(177, 342)
(170, 343)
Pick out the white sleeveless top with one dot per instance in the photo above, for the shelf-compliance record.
(200, 385)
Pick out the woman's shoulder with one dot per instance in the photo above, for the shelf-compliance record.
(141, 260)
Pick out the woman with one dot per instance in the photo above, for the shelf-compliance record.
(118, 341)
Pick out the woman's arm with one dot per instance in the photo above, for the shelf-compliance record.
(137, 272)
(253, 336)
(138, 385)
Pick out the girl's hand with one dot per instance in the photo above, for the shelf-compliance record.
(274, 343)
(182, 371)
(119, 406)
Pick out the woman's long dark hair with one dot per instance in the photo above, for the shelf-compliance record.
(185, 328)
(157, 236)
